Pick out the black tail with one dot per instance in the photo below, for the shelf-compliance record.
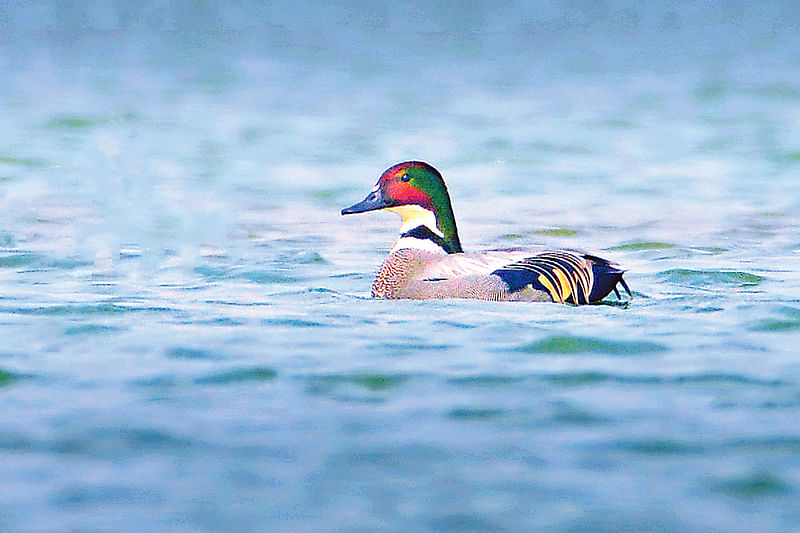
(606, 278)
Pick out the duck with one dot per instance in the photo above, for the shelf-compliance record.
(427, 261)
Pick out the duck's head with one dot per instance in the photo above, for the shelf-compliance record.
(415, 191)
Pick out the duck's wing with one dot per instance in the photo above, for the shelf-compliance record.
(568, 276)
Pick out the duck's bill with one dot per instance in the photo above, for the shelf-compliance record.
(372, 202)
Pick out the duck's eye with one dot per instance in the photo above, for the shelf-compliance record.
(405, 177)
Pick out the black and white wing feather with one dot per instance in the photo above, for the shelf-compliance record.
(569, 277)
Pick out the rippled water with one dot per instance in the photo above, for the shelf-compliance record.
(187, 341)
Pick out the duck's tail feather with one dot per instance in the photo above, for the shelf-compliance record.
(625, 286)
(606, 278)
(568, 277)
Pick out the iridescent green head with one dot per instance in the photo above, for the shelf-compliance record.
(416, 191)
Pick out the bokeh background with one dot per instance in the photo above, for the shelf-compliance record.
(186, 338)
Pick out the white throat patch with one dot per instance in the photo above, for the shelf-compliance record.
(413, 216)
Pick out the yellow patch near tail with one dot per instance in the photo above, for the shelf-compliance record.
(566, 286)
(551, 289)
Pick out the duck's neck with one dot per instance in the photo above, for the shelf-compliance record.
(420, 229)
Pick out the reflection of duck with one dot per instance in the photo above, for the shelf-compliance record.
(427, 261)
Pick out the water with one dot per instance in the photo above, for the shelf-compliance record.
(187, 338)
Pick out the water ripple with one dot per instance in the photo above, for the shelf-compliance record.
(90, 329)
(367, 386)
(463, 522)
(293, 323)
(193, 354)
(8, 378)
(777, 325)
(78, 496)
(239, 375)
(781, 444)
(79, 309)
(486, 381)
(118, 441)
(701, 278)
(643, 245)
(755, 486)
(475, 413)
(659, 447)
(566, 344)
(19, 259)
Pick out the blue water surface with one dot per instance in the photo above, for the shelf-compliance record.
(187, 341)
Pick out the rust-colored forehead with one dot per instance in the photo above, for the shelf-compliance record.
(395, 172)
